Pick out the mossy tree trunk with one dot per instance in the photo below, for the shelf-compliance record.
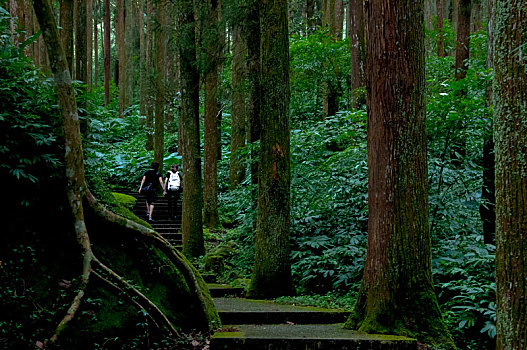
(510, 137)
(238, 129)
(79, 195)
(253, 88)
(397, 294)
(191, 224)
(272, 269)
(210, 58)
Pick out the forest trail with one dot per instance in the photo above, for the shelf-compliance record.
(263, 324)
(163, 224)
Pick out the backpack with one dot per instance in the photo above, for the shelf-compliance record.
(174, 181)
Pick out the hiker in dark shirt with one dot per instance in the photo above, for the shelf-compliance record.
(149, 187)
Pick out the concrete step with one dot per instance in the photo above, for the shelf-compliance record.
(248, 311)
(312, 336)
(222, 290)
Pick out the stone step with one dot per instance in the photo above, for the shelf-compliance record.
(248, 311)
(312, 336)
(222, 290)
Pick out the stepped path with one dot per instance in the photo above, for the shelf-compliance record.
(265, 325)
(261, 324)
(167, 226)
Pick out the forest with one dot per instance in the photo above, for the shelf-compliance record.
(365, 156)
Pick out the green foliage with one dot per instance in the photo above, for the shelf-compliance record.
(331, 300)
(28, 118)
(315, 59)
(329, 179)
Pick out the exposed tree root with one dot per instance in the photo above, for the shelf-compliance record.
(184, 266)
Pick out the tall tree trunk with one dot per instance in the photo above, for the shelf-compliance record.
(96, 43)
(66, 23)
(330, 97)
(238, 130)
(159, 123)
(397, 293)
(142, 59)
(121, 54)
(272, 269)
(149, 83)
(191, 225)
(13, 12)
(253, 88)
(357, 47)
(440, 33)
(81, 53)
(310, 15)
(89, 44)
(210, 54)
(107, 47)
(510, 137)
(339, 18)
(429, 14)
(74, 160)
(488, 197)
(463, 39)
(476, 16)
(459, 147)
(131, 50)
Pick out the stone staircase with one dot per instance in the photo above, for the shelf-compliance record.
(263, 324)
(169, 228)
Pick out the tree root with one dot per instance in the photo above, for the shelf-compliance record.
(188, 271)
(138, 298)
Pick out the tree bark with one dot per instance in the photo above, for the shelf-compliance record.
(191, 225)
(238, 130)
(96, 44)
(397, 293)
(74, 161)
(330, 98)
(253, 88)
(81, 53)
(142, 59)
(159, 122)
(121, 54)
(339, 19)
(510, 137)
(89, 44)
(210, 55)
(459, 147)
(357, 47)
(107, 48)
(488, 197)
(310, 16)
(66, 23)
(149, 81)
(272, 269)
(463, 38)
(440, 34)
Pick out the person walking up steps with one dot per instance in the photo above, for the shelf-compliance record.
(173, 189)
(149, 187)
